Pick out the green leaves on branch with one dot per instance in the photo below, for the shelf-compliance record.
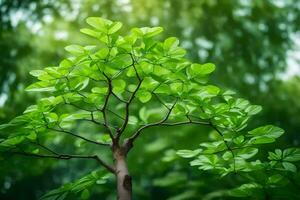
(81, 186)
(188, 153)
(147, 32)
(265, 134)
(284, 159)
(164, 87)
(198, 70)
(76, 50)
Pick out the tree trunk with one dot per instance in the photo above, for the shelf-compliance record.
(124, 186)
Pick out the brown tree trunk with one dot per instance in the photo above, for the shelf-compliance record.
(124, 186)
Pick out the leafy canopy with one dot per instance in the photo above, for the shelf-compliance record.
(126, 84)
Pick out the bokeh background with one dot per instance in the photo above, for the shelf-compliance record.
(255, 45)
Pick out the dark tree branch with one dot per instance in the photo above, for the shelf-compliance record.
(44, 147)
(154, 94)
(67, 157)
(126, 118)
(131, 139)
(116, 114)
(120, 72)
(103, 109)
(117, 97)
(78, 136)
(127, 105)
(225, 142)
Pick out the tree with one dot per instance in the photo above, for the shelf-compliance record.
(126, 84)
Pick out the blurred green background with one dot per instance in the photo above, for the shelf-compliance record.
(255, 45)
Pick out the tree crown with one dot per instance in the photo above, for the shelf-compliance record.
(126, 84)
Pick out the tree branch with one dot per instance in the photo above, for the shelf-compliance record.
(103, 109)
(126, 118)
(131, 139)
(225, 142)
(78, 136)
(67, 157)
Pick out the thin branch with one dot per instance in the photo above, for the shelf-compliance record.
(119, 116)
(183, 123)
(68, 157)
(87, 110)
(234, 148)
(225, 142)
(117, 97)
(46, 148)
(133, 65)
(126, 119)
(160, 100)
(78, 136)
(161, 122)
(103, 109)
(121, 71)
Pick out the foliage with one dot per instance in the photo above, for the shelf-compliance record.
(81, 186)
(127, 84)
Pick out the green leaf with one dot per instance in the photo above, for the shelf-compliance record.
(246, 153)
(85, 194)
(133, 120)
(147, 32)
(118, 86)
(161, 71)
(114, 27)
(75, 116)
(267, 131)
(41, 86)
(188, 153)
(199, 70)
(176, 87)
(244, 190)
(99, 90)
(12, 141)
(66, 64)
(289, 166)
(206, 162)
(100, 24)
(102, 53)
(291, 154)
(275, 156)
(163, 89)
(265, 134)
(239, 139)
(32, 136)
(208, 91)
(262, 140)
(170, 44)
(144, 96)
(53, 72)
(179, 109)
(240, 103)
(37, 73)
(275, 179)
(76, 50)
(30, 109)
(90, 32)
(149, 83)
(147, 68)
(51, 117)
(78, 83)
(79, 186)
(253, 109)
(143, 114)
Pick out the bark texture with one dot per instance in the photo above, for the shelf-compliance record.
(124, 185)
